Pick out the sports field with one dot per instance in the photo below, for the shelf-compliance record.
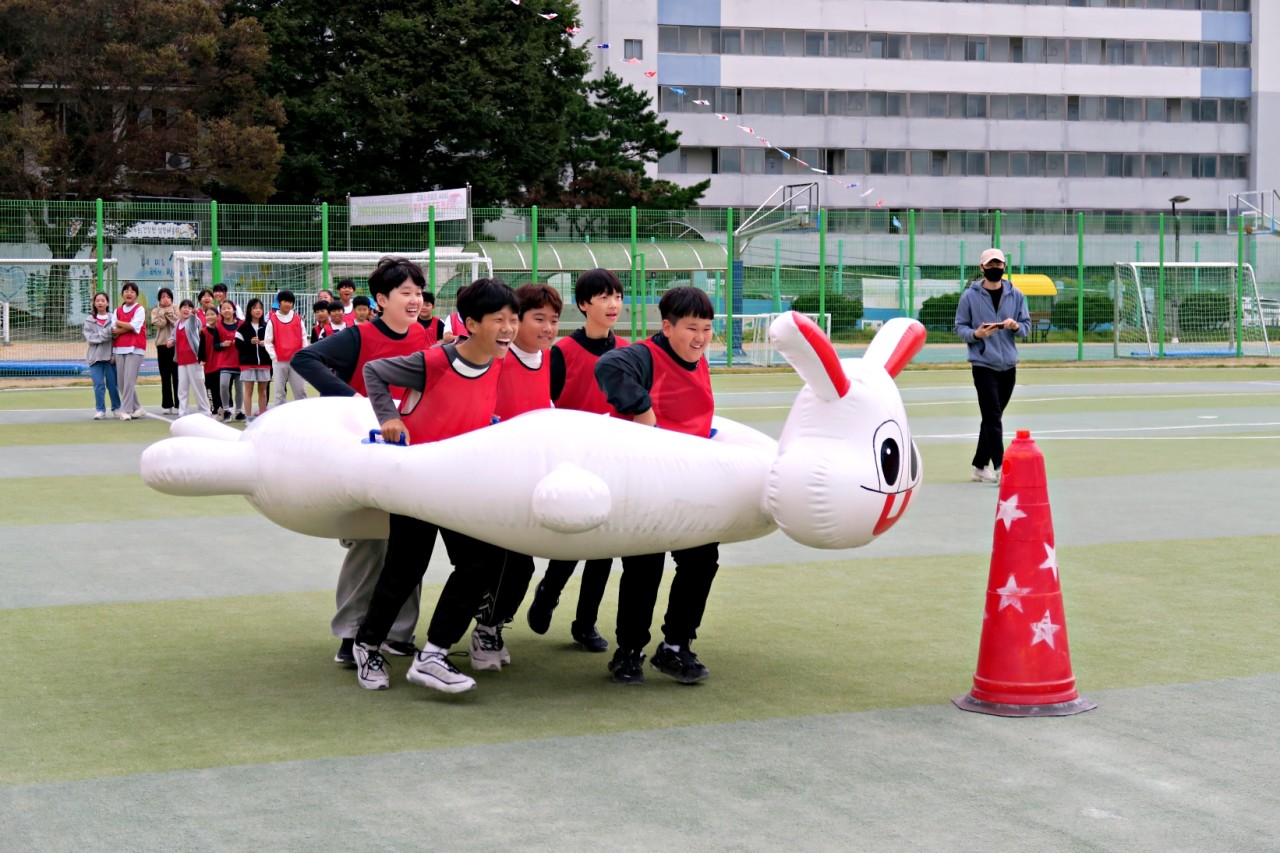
(169, 682)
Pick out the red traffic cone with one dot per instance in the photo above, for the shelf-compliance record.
(1024, 664)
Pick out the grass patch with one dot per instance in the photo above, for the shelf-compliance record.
(102, 497)
(147, 687)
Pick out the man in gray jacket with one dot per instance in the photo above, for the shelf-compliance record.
(990, 316)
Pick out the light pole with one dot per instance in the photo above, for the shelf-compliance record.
(1177, 226)
(1175, 302)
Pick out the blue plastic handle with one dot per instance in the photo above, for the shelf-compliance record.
(375, 437)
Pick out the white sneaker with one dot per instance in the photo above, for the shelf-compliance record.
(488, 652)
(138, 413)
(432, 669)
(99, 416)
(984, 475)
(122, 416)
(372, 671)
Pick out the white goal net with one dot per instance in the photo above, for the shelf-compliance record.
(1188, 310)
(263, 274)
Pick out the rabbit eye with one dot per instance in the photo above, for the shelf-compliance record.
(888, 445)
(914, 471)
(890, 460)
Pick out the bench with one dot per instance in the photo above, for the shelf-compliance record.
(1040, 323)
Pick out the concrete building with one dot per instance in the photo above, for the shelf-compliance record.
(1094, 105)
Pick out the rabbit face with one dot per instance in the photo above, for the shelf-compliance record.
(846, 466)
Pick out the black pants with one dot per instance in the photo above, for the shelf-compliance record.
(507, 585)
(409, 547)
(595, 576)
(638, 593)
(212, 386)
(168, 360)
(994, 387)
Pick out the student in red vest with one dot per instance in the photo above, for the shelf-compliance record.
(320, 313)
(187, 337)
(465, 376)
(433, 324)
(573, 386)
(664, 382)
(335, 367)
(255, 361)
(524, 386)
(129, 349)
(346, 304)
(285, 336)
(361, 310)
(205, 303)
(338, 319)
(208, 355)
(226, 354)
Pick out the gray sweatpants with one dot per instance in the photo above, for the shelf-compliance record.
(127, 367)
(284, 380)
(191, 389)
(361, 568)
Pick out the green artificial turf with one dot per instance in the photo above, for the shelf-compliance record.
(101, 497)
(117, 689)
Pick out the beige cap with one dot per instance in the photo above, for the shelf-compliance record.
(990, 255)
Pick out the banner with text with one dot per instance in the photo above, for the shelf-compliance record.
(408, 207)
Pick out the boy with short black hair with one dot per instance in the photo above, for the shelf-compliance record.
(664, 382)
(338, 318)
(346, 303)
(187, 338)
(320, 315)
(360, 310)
(433, 324)
(524, 386)
(335, 367)
(449, 390)
(598, 294)
(285, 338)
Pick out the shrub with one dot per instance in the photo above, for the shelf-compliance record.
(938, 313)
(1098, 309)
(845, 312)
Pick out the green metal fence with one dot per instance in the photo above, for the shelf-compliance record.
(857, 268)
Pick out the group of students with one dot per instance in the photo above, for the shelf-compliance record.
(498, 357)
(214, 356)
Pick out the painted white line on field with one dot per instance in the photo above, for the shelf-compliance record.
(1063, 432)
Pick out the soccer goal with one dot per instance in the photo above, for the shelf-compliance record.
(1193, 309)
(751, 333)
(43, 301)
(265, 273)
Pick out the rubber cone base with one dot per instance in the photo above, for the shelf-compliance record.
(998, 709)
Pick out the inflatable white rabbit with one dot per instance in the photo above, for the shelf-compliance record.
(570, 485)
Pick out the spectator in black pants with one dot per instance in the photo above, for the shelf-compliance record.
(164, 318)
(990, 316)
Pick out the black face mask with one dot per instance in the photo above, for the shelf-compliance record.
(992, 273)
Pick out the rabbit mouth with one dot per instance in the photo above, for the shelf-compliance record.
(895, 505)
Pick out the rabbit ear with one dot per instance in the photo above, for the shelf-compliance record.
(804, 345)
(897, 342)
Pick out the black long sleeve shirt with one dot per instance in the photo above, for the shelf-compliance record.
(626, 375)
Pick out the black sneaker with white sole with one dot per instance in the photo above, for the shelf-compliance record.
(399, 648)
(540, 610)
(683, 665)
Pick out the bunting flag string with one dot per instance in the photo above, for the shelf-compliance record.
(575, 29)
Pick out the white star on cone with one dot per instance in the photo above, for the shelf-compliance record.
(1008, 512)
(1009, 595)
(1051, 560)
(1044, 630)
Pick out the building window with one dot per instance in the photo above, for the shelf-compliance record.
(633, 49)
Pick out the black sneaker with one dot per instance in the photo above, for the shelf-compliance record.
(589, 640)
(399, 648)
(683, 665)
(627, 666)
(539, 614)
(346, 654)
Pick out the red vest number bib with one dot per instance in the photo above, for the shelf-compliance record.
(581, 391)
(286, 337)
(451, 404)
(374, 345)
(682, 399)
(522, 388)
